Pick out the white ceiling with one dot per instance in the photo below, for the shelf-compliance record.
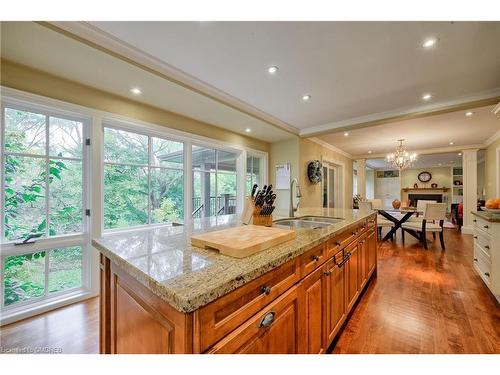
(420, 134)
(354, 71)
(427, 161)
(42, 48)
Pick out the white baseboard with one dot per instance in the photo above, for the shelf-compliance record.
(467, 230)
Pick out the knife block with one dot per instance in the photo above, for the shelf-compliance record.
(251, 215)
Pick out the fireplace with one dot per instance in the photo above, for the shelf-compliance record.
(414, 198)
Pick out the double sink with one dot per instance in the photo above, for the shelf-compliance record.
(307, 222)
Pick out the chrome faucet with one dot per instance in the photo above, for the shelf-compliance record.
(293, 209)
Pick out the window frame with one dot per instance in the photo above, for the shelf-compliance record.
(150, 134)
(47, 243)
(216, 172)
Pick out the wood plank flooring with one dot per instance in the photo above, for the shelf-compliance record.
(424, 301)
(421, 302)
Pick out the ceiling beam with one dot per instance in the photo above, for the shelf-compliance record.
(473, 101)
(428, 151)
(94, 37)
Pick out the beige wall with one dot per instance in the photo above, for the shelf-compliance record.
(491, 170)
(440, 176)
(312, 193)
(286, 151)
(23, 78)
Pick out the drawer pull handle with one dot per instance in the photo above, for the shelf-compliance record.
(485, 227)
(265, 290)
(327, 273)
(486, 247)
(337, 243)
(487, 274)
(475, 221)
(475, 237)
(475, 259)
(267, 319)
(315, 258)
(353, 233)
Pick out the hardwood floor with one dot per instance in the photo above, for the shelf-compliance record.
(423, 301)
(72, 329)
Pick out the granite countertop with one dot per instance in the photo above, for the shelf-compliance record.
(187, 277)
(488, 216)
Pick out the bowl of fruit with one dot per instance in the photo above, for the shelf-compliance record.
(492, 205)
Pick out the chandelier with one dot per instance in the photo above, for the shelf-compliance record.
(401, 159)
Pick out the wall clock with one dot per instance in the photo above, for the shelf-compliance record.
(424, 176)
(314, 171)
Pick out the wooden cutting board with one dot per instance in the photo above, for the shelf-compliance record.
(240, 242)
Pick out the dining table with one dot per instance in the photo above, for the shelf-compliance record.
(404, 213)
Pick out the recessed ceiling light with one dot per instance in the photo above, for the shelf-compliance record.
(452, 143)
(136, 91)
(427, 96)
(272, 69)
(459, 154)
(248, 130)
(469, 114)
(346, 134)
(306, 97)
(429, 43)
(370, 151)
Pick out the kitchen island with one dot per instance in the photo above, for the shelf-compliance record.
(159, 294)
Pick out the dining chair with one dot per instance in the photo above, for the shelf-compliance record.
(434, 212)
(419, 215)
(381, 221)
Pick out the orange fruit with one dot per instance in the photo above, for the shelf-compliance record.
(490, 203)
(497, 202)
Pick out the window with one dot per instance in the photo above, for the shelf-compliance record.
(143, 179)
(253, 175)
(214, 182)
(44, 196)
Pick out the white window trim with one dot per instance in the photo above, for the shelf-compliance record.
(27, 308)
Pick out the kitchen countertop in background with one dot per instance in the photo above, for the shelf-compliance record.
(187, 277)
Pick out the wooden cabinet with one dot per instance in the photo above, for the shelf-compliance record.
(274, 330)
(335, 298)
(371, 242)
(312, 293)
(351, 277)
(362, 262)
(298, 307)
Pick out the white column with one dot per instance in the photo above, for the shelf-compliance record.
(469, 165)
(361, 177)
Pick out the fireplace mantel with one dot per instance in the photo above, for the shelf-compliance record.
(443, 189)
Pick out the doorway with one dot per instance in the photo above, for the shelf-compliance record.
(332, 193)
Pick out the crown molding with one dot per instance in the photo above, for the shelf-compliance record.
(492, 139)
(94, 37)
(481, 99)
(330, 147)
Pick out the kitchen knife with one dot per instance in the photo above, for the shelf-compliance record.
(271, 210)
(269, 189)
(254, 189)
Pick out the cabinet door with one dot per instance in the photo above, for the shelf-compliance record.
(274, 330)
(335, 300)
(351, 269)
(372, 250)
(312, 293)
(362, 265)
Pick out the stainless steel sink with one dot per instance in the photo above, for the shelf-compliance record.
(307, 222)
(321, 219)
(297, 223)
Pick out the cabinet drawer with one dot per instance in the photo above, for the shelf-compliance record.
(343, 239)
(274, 330)
(363, 227)
(483, 266)
(218, 318)
(482, 241)
(311, 259)
(482, 225)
